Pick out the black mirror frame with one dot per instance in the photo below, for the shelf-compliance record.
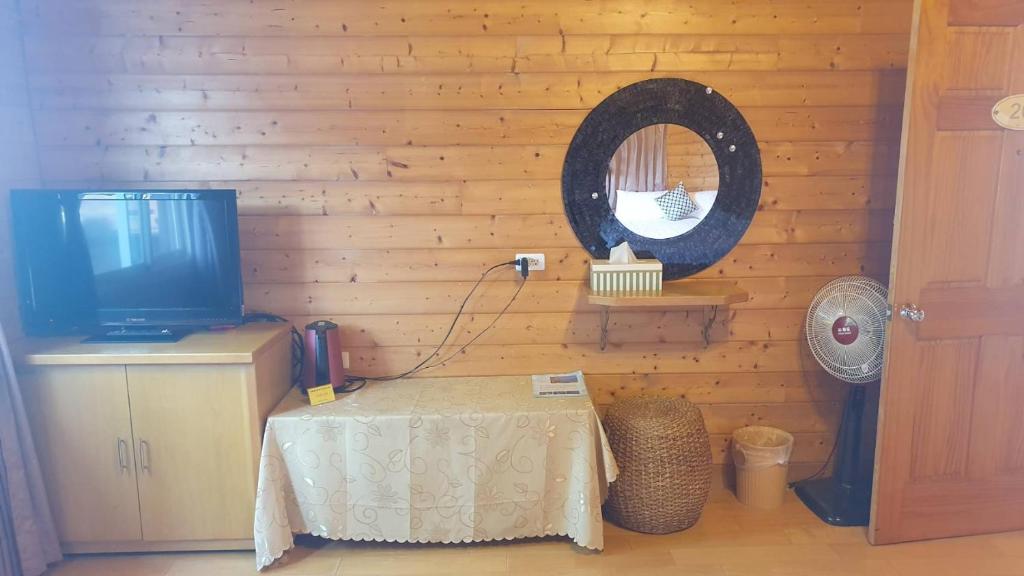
(663, 101)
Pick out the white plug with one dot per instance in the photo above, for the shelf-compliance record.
(536, 261)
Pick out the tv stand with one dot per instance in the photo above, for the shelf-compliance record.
(154, 447)
(139, 335)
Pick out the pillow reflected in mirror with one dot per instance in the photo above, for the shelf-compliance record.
(677, 204)
(641, 214)
(642, 166)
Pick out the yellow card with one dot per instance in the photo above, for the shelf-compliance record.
(321, 395)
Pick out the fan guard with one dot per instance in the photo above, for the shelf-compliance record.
(846, 328)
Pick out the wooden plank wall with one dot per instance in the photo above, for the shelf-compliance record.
(388, 151)
(18, 166)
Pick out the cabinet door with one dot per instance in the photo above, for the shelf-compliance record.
(82, 429)
(193, 441)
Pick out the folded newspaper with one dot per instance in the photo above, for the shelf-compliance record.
(549, 385)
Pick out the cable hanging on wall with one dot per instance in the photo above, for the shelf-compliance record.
(355, 382)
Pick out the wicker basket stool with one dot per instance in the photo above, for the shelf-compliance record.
(664, 457)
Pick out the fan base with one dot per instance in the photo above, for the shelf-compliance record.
(835, 503)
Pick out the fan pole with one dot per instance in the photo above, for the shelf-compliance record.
(845, 498)
(847, 467)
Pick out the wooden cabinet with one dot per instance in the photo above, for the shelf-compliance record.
(189, 467)
(82, 427)
(155, 447)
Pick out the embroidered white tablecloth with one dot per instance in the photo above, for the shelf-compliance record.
(433, 460)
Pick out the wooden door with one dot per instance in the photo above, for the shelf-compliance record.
(82, 428)
(951, 433)
(194, 451)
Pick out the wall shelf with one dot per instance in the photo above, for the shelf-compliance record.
(708, 295)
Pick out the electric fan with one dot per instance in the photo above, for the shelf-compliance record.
(846, 332)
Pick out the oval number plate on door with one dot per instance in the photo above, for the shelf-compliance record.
(1009, 112)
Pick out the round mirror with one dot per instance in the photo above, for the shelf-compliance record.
(668, 165)
(662, 181)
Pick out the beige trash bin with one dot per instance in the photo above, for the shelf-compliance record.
(761, 455)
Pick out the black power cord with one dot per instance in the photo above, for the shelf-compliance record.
(355, 382)
(484, 331)
(831, 454)
(824, 467)
(423, 365)
(298, 343)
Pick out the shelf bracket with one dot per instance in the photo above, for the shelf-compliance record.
(604, 327)
(709, 323)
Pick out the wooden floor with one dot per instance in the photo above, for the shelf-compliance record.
(730, 540)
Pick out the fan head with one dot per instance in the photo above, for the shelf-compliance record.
(846, 328)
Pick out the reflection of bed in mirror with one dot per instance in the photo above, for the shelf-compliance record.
(640, 212)
(641, 174)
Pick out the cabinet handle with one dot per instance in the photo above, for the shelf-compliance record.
(122, 455)
(144, 455)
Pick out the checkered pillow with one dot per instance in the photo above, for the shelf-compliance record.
(676, 204)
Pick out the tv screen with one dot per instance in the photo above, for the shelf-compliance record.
(90, 260)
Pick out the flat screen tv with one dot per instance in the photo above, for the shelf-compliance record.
(126, 265)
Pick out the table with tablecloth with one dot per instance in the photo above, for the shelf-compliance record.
(433, 460)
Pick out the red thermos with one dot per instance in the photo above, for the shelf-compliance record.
(322, 364)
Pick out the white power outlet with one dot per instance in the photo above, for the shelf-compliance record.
(536, 261)
(344, 361)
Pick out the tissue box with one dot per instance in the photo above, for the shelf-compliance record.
(640, 278)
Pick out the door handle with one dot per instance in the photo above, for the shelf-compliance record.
(122, 455)
(144, 456)
(912, 312)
